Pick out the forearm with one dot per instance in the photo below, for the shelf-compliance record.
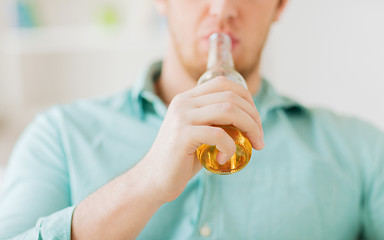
(119, 210)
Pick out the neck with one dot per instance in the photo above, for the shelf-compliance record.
(174, 79)
(254, 81)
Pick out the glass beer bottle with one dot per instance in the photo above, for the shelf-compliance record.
(220, 63)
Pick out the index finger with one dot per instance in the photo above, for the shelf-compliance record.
(221, 84)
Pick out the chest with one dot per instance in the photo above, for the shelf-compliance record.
(290, 190)
(279, 195)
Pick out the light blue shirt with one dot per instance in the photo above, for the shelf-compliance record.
(320, 176)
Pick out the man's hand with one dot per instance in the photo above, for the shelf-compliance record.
(172, 161)
(128, 202)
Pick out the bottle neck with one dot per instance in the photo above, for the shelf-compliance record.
(220, 54)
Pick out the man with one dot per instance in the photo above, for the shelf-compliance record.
(125, 167)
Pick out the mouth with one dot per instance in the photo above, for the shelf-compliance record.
(234, 41)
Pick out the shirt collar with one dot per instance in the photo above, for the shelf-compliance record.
(144, 93)
(145, 98)
(268, 100)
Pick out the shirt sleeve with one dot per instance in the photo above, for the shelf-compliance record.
(35, 202)
(57, 226)
(373, 186)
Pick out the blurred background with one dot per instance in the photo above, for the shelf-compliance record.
(325, 53)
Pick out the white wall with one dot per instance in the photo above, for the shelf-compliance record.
(1, 178)
(330, 53)
(323, 52)
(68, 57)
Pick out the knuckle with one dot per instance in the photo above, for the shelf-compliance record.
(177, 99)
(245, 94)
(178, 109)
(218, 132)
(256, 128)
(220, 80)
(177, 103)
(180, 115)
(228, 107)
(230, 95)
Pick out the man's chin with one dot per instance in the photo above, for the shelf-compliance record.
(194, 70)
(196, 74)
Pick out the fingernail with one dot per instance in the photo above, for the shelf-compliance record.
(221, 158)
(262, 142)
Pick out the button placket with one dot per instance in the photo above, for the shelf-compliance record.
(208, 216)
(205, 231)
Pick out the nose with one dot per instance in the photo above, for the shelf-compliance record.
(223, 9)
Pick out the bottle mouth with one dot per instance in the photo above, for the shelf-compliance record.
(220, 35)
(226, 40)
(221, 39)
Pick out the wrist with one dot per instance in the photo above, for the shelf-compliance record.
(145, 184)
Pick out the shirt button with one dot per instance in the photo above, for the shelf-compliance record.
(205, 231)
